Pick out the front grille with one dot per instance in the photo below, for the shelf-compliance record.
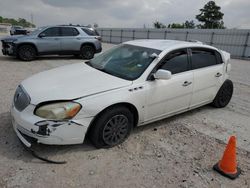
(21, 99)
(6, 44)
(3, 44)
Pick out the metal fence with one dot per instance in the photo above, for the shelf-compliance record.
(234, 41)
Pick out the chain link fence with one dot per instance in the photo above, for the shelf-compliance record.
(234, 41)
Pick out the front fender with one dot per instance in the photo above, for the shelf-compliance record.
(93, 105)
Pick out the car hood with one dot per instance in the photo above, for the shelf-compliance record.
(14, 38)
(70, 82)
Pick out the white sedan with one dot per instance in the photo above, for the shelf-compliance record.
(132, 84)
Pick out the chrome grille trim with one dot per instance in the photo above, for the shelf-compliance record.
(21, 99)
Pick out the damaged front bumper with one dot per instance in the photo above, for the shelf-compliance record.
(8, 48)
(50, 132)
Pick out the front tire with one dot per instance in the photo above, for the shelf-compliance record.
(87, 52)
(112, 127)
(224, 95)
(26, 53)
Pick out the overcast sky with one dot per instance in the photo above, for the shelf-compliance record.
(121, 13)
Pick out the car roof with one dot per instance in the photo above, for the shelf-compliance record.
(80, 26)
(167, 44)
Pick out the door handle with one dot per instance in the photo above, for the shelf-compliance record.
(218, 74)
(56, 38)
(186, 83)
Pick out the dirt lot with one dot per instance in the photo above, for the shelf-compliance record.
(176, 152)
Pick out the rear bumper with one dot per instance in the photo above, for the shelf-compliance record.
(99, 50)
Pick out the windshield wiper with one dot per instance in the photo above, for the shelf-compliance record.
(88, 63)
(105, 71)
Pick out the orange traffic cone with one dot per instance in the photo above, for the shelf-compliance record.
(227, 166)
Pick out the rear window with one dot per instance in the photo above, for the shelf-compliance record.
(69, 31)
(204, 58)
(90, 32)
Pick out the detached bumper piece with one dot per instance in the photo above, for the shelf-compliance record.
(28, 146)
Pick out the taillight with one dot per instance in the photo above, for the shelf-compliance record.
(99, 38)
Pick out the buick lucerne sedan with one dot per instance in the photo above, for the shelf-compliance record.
(132, 84)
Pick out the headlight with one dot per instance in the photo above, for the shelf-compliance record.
(58, 111)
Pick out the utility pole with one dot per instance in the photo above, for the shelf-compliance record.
(31, 18)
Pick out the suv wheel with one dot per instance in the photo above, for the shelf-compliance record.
(224, 95)
(112, 127)
(26, 52)
(87, 52)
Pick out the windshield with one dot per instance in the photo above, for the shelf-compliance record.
(17, 27)
(37, 31)
(125, 61)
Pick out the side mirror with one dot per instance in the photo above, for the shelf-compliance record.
(162, 74)
(154, 55)
(41, 35)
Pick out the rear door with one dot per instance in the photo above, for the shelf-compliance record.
(69, 39)
(207, 66)
(48, 40)
(165, 97)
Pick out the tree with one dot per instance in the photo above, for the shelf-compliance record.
(176, 26)
(211, 16)
(159, 25)
(189, 24)
(20, 21)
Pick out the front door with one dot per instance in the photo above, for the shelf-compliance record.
(49, 41)
(165, 97)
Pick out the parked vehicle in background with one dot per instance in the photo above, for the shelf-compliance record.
(18, 30)
(132, 84)
(54, 40)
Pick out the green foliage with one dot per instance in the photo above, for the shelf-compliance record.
(189, 24)
(211, 17)
(186, 25)
(20, 21)
(159, 25)
(176, 26)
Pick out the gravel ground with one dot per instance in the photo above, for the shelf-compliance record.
(175, 152)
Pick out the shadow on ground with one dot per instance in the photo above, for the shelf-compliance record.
(12, 148)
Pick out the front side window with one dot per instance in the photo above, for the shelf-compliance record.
(124, 61)
(176, 62)
(52, 32)
(203, 58)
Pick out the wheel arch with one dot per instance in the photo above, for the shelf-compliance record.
(129, 106)
(27, 43)
(88, 44)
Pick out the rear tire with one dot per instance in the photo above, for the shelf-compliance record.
(87, 52)
(26, 53)
(224, 95)
(112, 127)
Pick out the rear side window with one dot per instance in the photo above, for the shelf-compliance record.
(51, 32)
(90, 32)
(69, 31)
(204, 58)
(176, 62)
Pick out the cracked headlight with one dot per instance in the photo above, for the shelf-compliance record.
(58, 111)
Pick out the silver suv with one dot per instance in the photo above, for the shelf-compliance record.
(59, 40)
